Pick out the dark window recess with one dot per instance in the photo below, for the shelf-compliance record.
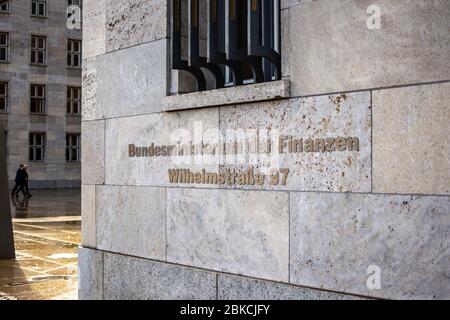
(73, 100)
(38, 50)
(73, 53)
(74, 3)
(72, 147)
(39, 8)
(242, 40)
(3, 96)
(4, 6)
(37, 146)
(4, 46)
(37, 98)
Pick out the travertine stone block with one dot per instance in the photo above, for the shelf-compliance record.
(341, 241)
(161, 129)
(89, 110)
(129, 278)
(90, 277)
(134, 22)
(131, 81)
(343, 167)
(333, 50)
(94, 27)
(132, 220)
(93, 152)
(232, 287)
(243, 232)
(411, 148)
(88, 216)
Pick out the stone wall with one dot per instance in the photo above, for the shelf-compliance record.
(54, 172)
(340, 214)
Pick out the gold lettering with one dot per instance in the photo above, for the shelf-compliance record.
(320, 145)
(282, 144)
(221, 178)
(274, 177)
(189, 177)
(241, 179)
(231, 177)
(284, 174)
(309, 145)
(249, 178)
(286, 144)
(211, 178)
(151, 150)
(131, 150)
(296, 146)
(259, 179)
(330, 147)
(353, 144)
(173, 176)
(341, 144)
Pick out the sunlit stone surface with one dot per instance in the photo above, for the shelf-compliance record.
(232, 231)
(46, 236)
(335, 238)
(364, 216)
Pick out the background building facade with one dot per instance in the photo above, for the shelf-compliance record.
(40, 91)
(367, 221)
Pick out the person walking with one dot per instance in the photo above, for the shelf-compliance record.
(25, 183)
(20, 181)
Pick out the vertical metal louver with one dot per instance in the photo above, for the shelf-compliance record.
(242, 38)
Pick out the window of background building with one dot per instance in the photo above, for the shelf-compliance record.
(73, 147)
(73, 100)
(37, 146)
(39, 8)
(73, 53)
(37, 98)
(74, 3)
(4, 46)
(3, 96)
(38, 49)
(4, 6)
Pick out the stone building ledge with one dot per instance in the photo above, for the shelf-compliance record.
(233, 95)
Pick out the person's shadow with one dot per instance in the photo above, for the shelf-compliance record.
(20, 206)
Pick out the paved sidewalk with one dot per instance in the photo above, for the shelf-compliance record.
(46, 248)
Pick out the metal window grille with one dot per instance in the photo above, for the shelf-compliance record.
(243, 40)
